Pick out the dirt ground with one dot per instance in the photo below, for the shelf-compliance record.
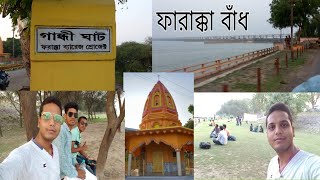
(246, 78)
(114, 168)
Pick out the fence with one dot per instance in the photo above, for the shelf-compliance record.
(11, 63)
(218, 66)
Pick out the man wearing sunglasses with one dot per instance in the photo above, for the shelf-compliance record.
(38, 158)
(79, 151)
(68, 165)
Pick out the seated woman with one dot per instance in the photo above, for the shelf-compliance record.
(215, 132)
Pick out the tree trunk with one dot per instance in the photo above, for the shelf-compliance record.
(1, 131)
(20, 110)
(29, 112)
(25, 48)
(114, 123)
(20, 115)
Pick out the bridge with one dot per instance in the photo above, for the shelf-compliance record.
(261, 38)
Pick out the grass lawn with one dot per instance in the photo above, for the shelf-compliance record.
(11, 139)
(100, 117)
(246, 158)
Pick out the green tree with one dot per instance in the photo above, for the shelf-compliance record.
(235, 107)
(304, 11)
(259, 103)
(297, 102)
(133, 57)
(191, 109)
(312, 98)
(189, 124)
(7, 47)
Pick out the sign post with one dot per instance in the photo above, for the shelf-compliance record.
(73, 45)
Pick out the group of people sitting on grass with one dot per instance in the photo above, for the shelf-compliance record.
(256, 129)
(221, 135)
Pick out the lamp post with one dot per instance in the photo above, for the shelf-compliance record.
(291, 40)
(13, 42)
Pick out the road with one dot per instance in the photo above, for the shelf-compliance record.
(18, 79)
(316, 63)
(312, 81)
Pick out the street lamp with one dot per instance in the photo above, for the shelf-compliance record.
(291, 42)
(13, 42)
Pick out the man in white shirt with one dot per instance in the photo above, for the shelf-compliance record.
(38, 158)
(290, 162)
(222, 138)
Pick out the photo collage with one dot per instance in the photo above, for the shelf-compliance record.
(159, 89)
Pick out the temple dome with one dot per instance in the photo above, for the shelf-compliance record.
(159, 110)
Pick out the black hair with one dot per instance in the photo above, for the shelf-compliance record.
(279, 107)
(224, 125)
(82, 117)
(48, 100)
(70, 105)
(221, 128)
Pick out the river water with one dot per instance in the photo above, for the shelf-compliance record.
(169, 55)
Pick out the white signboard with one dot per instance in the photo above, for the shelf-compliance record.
(249, 117)
(72, 40)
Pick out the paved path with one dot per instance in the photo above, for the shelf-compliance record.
(316, 63)
(18, 79)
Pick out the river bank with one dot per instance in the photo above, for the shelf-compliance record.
(245, 79)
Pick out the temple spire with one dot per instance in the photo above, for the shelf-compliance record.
(160, 109)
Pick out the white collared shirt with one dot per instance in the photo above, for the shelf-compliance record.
(303, 165)
(31, 162)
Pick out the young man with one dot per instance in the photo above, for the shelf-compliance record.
(68, 165)
(290, 162)
(38, 158)
(230, 137)
(79, 151)
(222, 138)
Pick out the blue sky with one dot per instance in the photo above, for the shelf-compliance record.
(137, 87)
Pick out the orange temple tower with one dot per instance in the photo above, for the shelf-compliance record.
(162, 146)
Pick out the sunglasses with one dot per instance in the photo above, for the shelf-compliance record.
(82, 123)
(71, 113)
(48, 115)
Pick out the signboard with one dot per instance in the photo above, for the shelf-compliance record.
(72, 40)
(249, 117)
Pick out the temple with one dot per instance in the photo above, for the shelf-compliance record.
(161, 146)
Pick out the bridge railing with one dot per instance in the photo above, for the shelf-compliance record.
(218, 66)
